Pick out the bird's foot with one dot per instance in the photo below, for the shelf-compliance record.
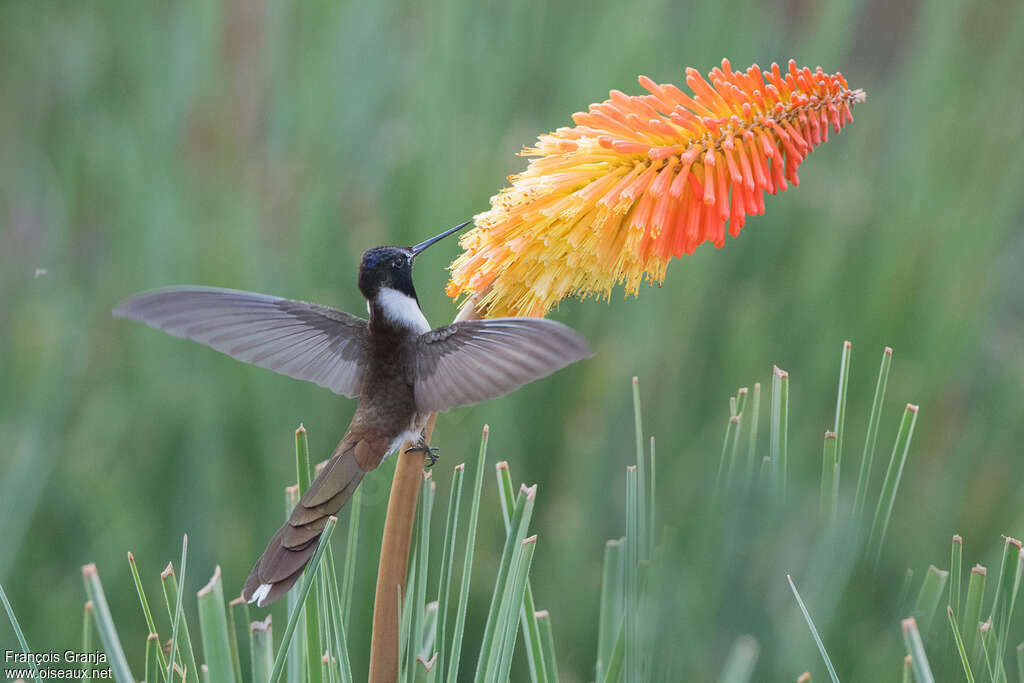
(428, 451)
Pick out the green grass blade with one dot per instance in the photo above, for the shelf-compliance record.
(87, 628)
(723, 459)
(311, 606)
(452, 668)
(908, 669)
(844, 383)
(451, 532)
(547, 639)
(339, 645)
(617, 658)
(419, 603)
(21, 636)
(104, 625)
(780, 431)
(239, 614)
(181, 640)
(517, 532)
(304, 592)
(929, 596)
(514, 607)
(150, 624)
(296, 672)
(1020, 661)
(960, 645)
(741, 660)
(828, 476)
(641, 469)
(213, 628)
(351, 545)
(262, 636)
(814, 631)
(955, 571)
(1003, 603)
(890, 487)
(154, 669)
(631, 603)
(531, 632)
(972, 609)
(985, 629)
(651, 524)
(611, 614)
(755, 413)
(915, 648)
(864, 476)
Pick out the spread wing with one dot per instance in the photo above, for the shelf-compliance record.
(468, 362)
(305, 341)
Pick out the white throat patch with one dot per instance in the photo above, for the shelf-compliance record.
(402, 309)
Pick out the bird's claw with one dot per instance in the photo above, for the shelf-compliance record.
(428, 451)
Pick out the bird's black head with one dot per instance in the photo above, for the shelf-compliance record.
(392, 266)
(386, 267)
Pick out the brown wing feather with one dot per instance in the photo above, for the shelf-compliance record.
(302, 340)
(472, 361)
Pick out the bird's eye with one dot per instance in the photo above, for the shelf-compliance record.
(396, 264)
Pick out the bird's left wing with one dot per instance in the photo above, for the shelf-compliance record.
(302, 340)
(472, 361)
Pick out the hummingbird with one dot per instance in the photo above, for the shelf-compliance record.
(399, 368)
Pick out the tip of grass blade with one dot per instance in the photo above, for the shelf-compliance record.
(88, 605)
(531, 539)
(460, 467)
(742, 391)
(912, 408)
(544, 614)
(734, 419)
(208, 588)
(779, 372)
(888, 351)
(89, 570)
(847, 345)
(636, 380)
(428, 664)
(830, 435)
(529, 491)
(131, 558)
(757, 386)
(301, 429)
(263, 626)
(805, 677)
(167, 572)
(487, 429)
(978, 569)
(958, 539)
(237, 601)
(501, 465)
(909, 624)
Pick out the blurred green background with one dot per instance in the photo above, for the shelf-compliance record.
(264, 145)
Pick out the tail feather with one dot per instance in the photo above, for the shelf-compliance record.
(293, 545)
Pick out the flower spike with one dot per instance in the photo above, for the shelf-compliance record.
(641, 179)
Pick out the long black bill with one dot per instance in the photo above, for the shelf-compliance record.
(437, 238)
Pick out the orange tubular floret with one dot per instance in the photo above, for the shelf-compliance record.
(641, 179)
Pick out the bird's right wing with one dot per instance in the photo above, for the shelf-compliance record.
(302, 340)
(471, 361)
